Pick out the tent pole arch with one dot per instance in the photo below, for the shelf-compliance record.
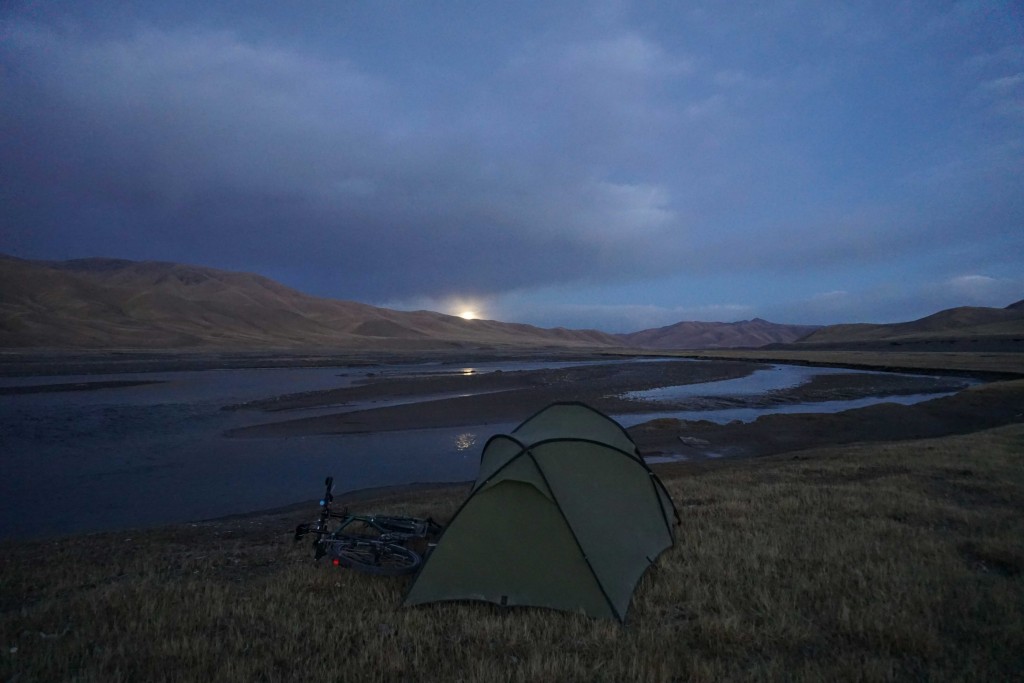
(566, 514)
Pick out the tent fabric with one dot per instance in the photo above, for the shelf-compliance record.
(564, 514)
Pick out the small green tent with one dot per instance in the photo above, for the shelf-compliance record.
(564, 514)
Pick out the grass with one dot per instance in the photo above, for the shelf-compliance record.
(864, 562)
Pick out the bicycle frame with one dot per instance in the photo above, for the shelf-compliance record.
(385, 528)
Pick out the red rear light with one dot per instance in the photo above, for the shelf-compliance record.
(336, 562)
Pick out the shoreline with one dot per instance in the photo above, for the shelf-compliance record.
(372, 494)
(16, 363)
(487, 397)
(989, 366)
(425, 401)
(860, 525)
(67, 387)
(993, 365)
(975, 409)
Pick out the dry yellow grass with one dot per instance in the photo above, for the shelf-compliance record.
(865, 562)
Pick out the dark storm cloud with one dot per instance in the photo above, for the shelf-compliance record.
(199, 147)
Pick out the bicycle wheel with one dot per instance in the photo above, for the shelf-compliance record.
(373, 556)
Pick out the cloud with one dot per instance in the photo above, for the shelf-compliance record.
(596, 102)
(897, 301)
(1007, 55)
(880, 301)
(198, 145)
(972, 282)
(1004, 83)
(626, 56)
(194, 109)
(982, 290)
(1003, 96)
(619, 318)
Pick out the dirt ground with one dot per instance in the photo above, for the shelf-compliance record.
(450, 397)
(971, 410)
(456, 399)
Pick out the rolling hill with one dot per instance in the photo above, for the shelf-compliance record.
(973, 328)
(702, 335)
(116, 304)
(108, 304)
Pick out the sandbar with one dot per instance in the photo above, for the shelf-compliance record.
(427, 401)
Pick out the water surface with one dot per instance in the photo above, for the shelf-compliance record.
(154, 454)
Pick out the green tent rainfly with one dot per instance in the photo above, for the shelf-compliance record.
(564, 514)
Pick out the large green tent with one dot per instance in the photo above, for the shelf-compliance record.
(564, 514)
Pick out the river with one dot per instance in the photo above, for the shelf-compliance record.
(151, 454)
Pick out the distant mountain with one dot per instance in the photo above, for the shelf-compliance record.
(1018, 306)
(118, 304)
(111, 304)
(965, 328)
(701, 335)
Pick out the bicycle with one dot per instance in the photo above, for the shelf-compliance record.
(379, 547)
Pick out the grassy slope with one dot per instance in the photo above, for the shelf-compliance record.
(881, 561)
(103, 304)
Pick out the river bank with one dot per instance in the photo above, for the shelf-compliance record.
(466, 398)
(974, 409)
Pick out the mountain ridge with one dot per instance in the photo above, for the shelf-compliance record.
(962, 328)
(958, 321)
(107, 304)
(115, 303)
(706, 335)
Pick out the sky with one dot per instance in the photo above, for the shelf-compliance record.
(609, 164)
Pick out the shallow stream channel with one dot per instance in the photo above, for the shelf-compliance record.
(102, 452)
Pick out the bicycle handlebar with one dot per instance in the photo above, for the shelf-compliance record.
(320, 528)
(396, 528)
